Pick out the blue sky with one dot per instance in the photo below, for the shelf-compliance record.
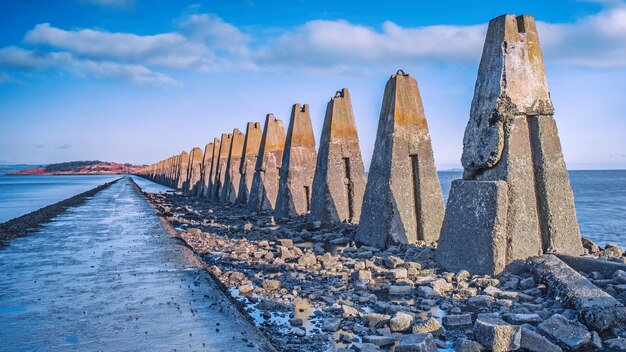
(137, 80)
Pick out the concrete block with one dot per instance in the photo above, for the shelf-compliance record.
(181, 170)
(512, 137)
(497, 335)
(298, 166)
(267, 171)
(232, 175)
(596, 308)
(206, 169)
(339, 181)
(473, 236)
(248, 162)
(403, 201)
(213, 172)
(222, 160)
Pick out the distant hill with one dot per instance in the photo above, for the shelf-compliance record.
(89, 167)
(9, 168)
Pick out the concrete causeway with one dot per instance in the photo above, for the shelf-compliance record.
(106, 275)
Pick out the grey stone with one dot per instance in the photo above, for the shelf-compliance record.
(339, 180)
(430, 326)
(400, 322)
(615, 345)
(619, 277)
(380, 340)
(417, 343)
(298, 166)
(457, 320)
(464, 345)
(403, 201)
(566, 333)
(534, 342)
(496, 334)
(331, 324)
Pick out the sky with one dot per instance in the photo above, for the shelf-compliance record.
(139, 80)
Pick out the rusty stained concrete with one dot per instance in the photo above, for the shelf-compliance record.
(267, 170)
(511, 136)
(298, 165)
(339, 181)
(403, 202)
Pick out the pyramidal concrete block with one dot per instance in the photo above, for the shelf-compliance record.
(339, 181)
(251, 146)
(511, 136)
(403, 202)
(206, 169)
(267, 171)
(232, 175)
(181, 170)
(221, 166)
(213, 172)
(298, 166)
(193, 171)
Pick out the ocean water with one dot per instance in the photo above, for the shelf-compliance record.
(600, 197)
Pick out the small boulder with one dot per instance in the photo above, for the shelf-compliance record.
(400, 322)
(417, 343)
(271, 285)
(496, 334)
(566, 333)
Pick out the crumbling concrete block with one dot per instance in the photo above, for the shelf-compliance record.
(193, 171)
(213, 172)
(298, 166)
(248, 162)
(511, 136)
(403, 201)
(181, 170)
(206, 170)
(478, 211)
(596, 308)
(222, 160)
(566, 333)
(232, 176)
(267, 171)
(416, 343)
(339, 181)
(497, 335)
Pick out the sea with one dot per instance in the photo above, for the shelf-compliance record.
(600, 197)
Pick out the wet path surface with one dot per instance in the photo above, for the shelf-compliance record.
(107, 276)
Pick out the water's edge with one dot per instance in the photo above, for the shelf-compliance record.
(243, 315)
(26, 224)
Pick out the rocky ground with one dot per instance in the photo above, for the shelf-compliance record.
(312, 289)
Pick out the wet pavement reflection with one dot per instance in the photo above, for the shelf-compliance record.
(107, 276)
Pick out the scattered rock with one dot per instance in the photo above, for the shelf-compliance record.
(497, 335)
(271, 285)
(417, 343)
(566, 333)
(400, 322)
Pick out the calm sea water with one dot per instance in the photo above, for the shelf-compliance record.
(600, 197)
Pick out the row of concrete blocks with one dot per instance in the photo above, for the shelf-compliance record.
(514, 201)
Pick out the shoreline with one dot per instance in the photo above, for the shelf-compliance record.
(26, 224)
(313, 289)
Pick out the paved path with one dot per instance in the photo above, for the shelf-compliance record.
(107, 276)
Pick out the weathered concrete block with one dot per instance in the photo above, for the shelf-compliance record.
(497, 335)
(193, 171)
(511, 136)
(181, 170)
(473, 236)
(417, 343)
(222, 160)
(251, 146)
(298, 166)
(403, 201)
(267, 171)
(566, 333)
(213, 172)
(232, 176)
(596, 308)
(206, 170)
(339, 181)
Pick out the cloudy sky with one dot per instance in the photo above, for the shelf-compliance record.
(138, 80)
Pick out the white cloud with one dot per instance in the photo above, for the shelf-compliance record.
(339, 43)
(27, 60)
(125, 4)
